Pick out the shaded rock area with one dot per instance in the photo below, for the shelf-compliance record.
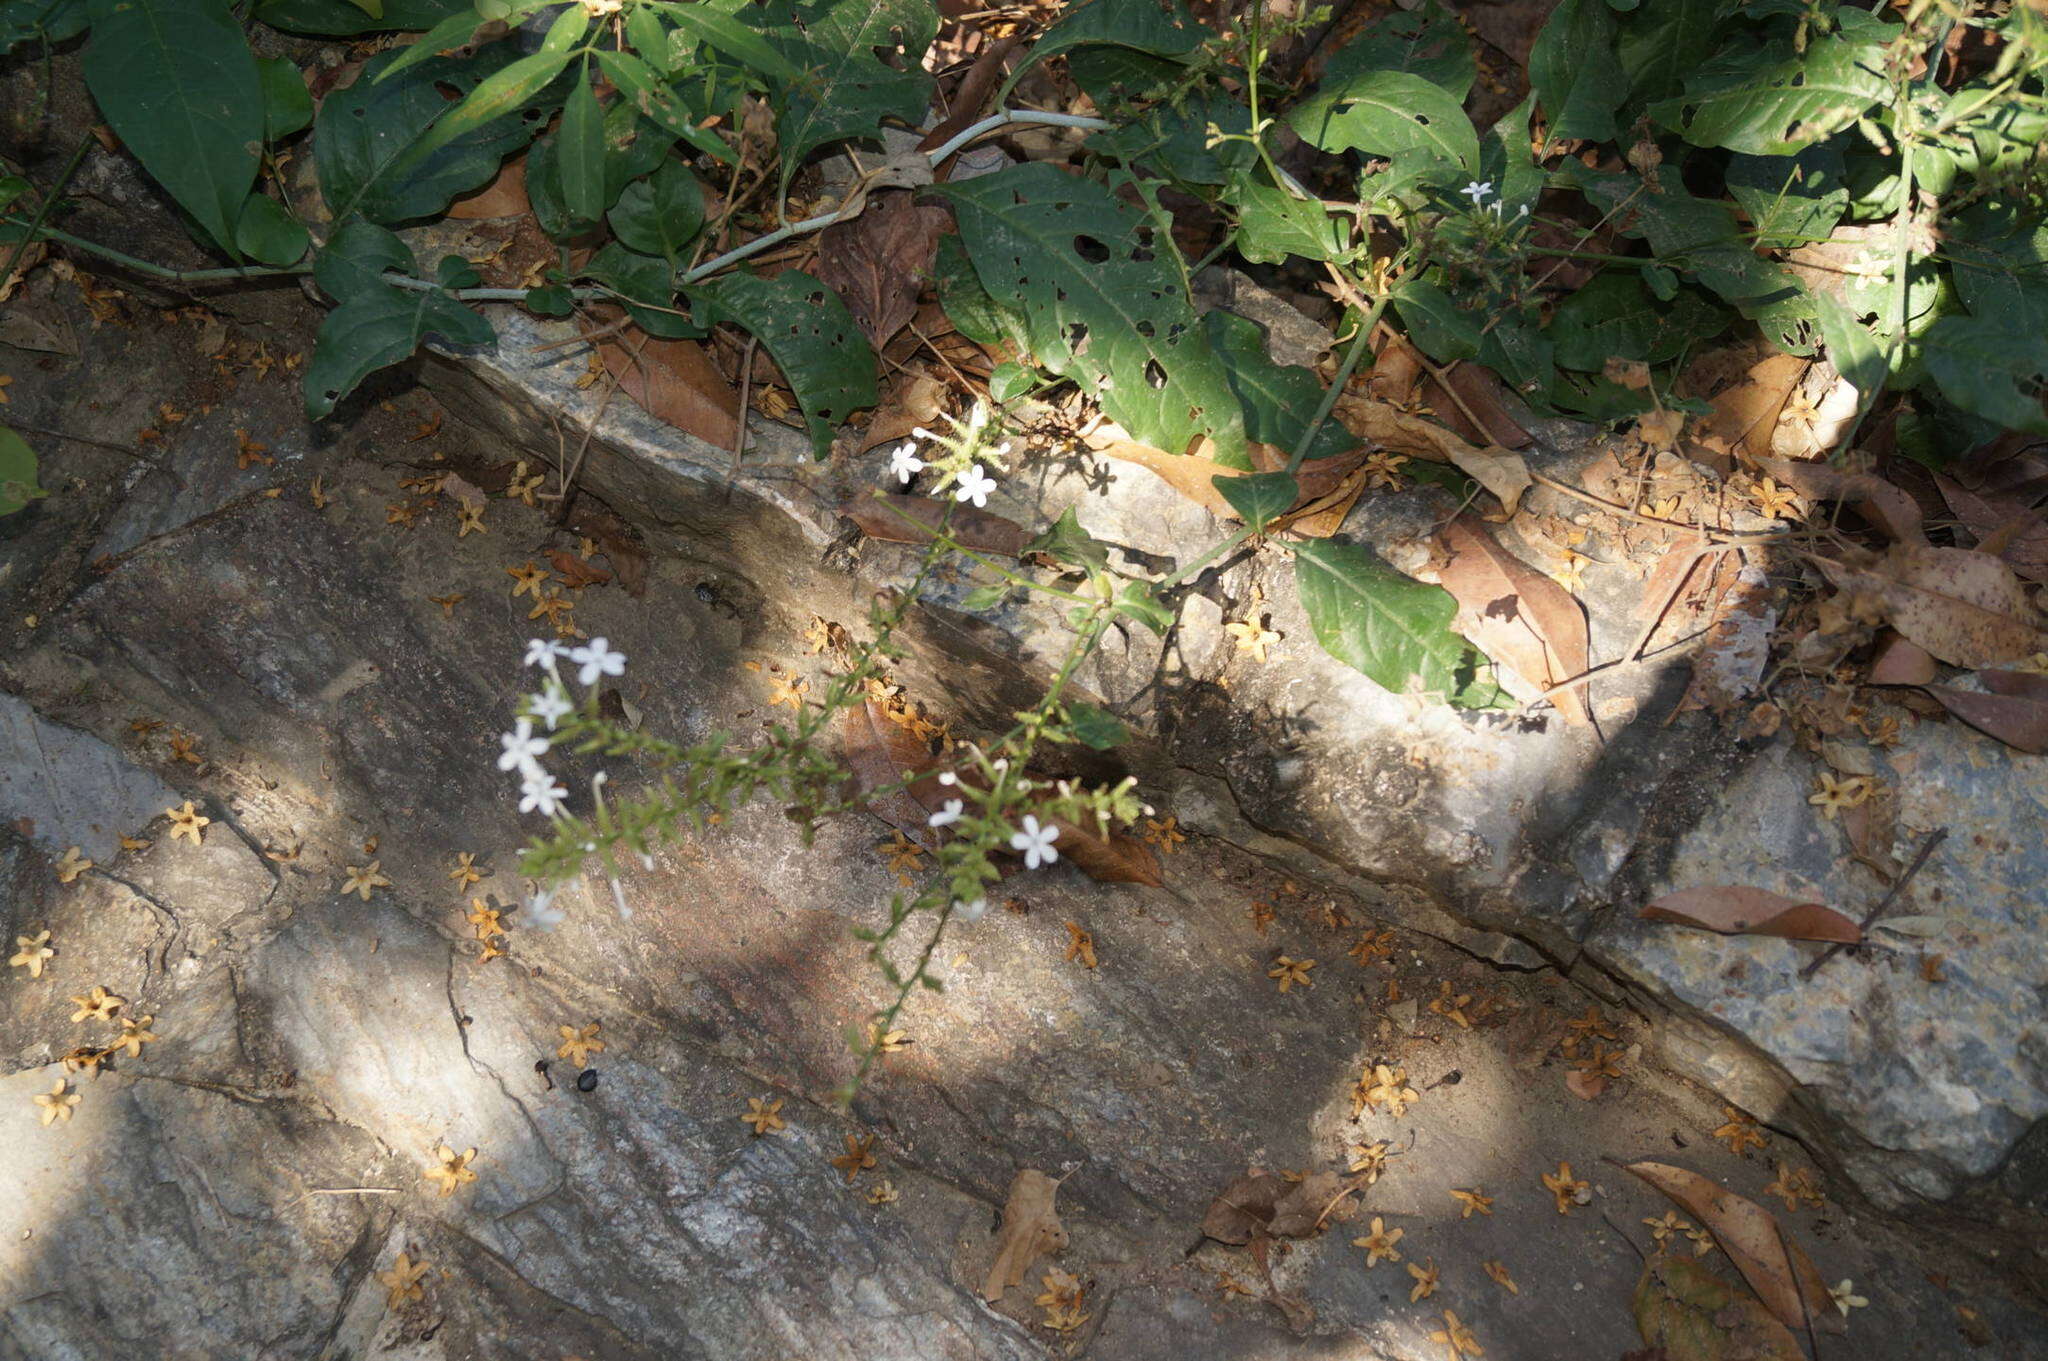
(335, 673)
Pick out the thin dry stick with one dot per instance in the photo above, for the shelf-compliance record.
(739, 439)
(585, 337)
(345, 1191)
(611, 389)
(1934, 838)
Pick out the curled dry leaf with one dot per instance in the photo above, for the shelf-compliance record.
(676, 382)
(1515, 614)
(1031, 1228)
(878, 261)
(1107, 859)
(896, 518)
(574, 571)
(2018, 532)
(1500, 471)
(1901, 662)
(1775, 1266)
(2012, 707)
(1328, 486)
(1966, 608)
(1746, 414)
(1734, 910)
(1687, 1313)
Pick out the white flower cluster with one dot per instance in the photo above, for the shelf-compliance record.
(1480, 190)
(523, 748)
(956, 455)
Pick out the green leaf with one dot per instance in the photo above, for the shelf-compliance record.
(843, 89)
(1140, 600)
(1158, 28)
(1096, 726)
(52, 21)
(985, 597)
(1426, 42)
(1008, 381)
(1791, 200)
(503, 92)
(343, 19)
(810, 335)
(1101, 301)
(1174, 137)
(1386, 113)
(551, 300)
(377, 323)
(457, 30)
(1576, 73)
(1273, 224)
(1067, 542)
(17, 472)
(178, 85)
(650, 40)
(1768, 101)
(1851, 348)
(1615, 317)
(1395, 630)
(1661, 44)
(657, 102)
(266, 231)
(287, 107)
(364, 140)
(1986, 368)
(1277, 399)
(1999, 259)
(1259, 498)
(1446, 329)
(662, 214)
(701, 24)
(643, 279)
(579, 153)
(1506, 162)
(967, 304)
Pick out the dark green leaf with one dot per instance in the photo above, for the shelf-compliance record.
(1999, 259)
(1988, 369)
(1010, 380)
(1277, 399)
(579, 154)
(702, 24)
(1395, 630)
(1386, 113)
(456, 31)
(52, 21)
(1426, 42)
(502, 93)
(1769, 101)
(1791, 200)
(1615, 317)
(967, 305)
(647, 283)
(1662, 43)
(364, 140)
(1576, 73)
(649, 39)
(662, 214)
(377, 323)
(1174, 137)
(1158, 28)
(177, 83)
(1067, 542)
(342, 18)
(266, 232)
(1259, 498)
(1506, 162)
(657, 102)
(287, 107)
(810, 335)
(1851, 348)
(1101, 304)
(550, 301)
(1446, 329)
(843, 89)
(1273, 224)
(1097, 727)
(17, 472)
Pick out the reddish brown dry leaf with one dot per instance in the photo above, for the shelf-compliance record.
(1729, 666)
(574, 571)
(1329, 486)
(1515, 614)
(1400, 376)
(896, 518)
(1499, 470)
(1585, 1086)
(1780, 1272)
(1884, 505)
(878, 261)
(504, 196)
(1261, 1204)
(912, 398)
(1112, 859)
(1966, 608)
(2015, 709)
(1899, 662)
(675, 381)
(615, 539)
(2024, 533)
(1746, 413)
(880, 752)
(1733, 910)
(1031, 1228)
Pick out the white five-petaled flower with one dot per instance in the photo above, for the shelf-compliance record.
(947, 815)
(1846, 1298)
(975, 485)
(970, 912)
(978, 417)
(521, 747)
(1477, 191)
(550, 706)
(542, 652)
(904, 462)
(543, 794)
(596, 660)
(1036, 843)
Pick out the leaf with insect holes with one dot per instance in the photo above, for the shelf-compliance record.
(1755, 97)
(1278, 399)
(1101, 302)
(842, 89)
(364, 139)
(811, 337)
(176, 81)
(1156, 29)
(1967, 608)
(376, 323)
(1387, 113)
(1395, 630)
(880, 261)
(1775, 1266)
(1733, 910)
(1576, 72)
(1426, 42)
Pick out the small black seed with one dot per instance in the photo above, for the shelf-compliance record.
(586, 1081)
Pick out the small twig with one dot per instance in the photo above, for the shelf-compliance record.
(611, 388)
(345, 1191)
(1934, 838)
(739, 439)
(1799, 1288)
(585, 337)
(82, 439)
(1726, 536)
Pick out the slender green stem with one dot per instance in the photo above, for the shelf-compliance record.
(1352, 355)
(49, 202)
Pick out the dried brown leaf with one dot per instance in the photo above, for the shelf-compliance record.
(1900, 662)
(2012, 708)
(1775, 1266)
(1734, 910)
(1262, 1204)
(1687, 1313)
(1031, 1228)
(1112, 859)
(880, 752)
(504, 196)
(1515, 614)
(1500, 471)
(896, 518)
(1746, 413)
(1966, 608)
(2023, 532)
(1886, 506)
(675, 381)
(878, 262)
